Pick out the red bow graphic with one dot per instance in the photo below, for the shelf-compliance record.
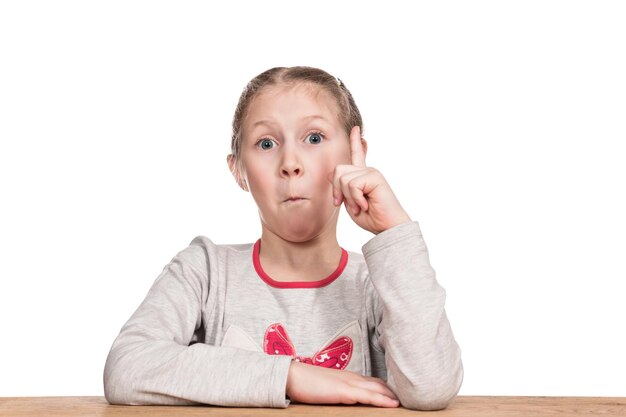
(336, 355)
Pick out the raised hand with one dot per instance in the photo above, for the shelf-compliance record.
(318, 385)
(368, 198)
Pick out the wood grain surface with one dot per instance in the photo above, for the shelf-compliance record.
(466, 406)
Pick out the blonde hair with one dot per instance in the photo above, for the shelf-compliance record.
(348, 116)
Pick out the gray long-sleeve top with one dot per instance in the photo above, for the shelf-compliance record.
(214, 328)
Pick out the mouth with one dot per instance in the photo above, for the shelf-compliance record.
(294, 199)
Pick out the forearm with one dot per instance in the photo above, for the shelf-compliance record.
(163, 373)
(423, 360)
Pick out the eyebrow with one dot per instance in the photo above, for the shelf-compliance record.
(310, 117)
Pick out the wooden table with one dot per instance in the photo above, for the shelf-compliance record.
(465, 406)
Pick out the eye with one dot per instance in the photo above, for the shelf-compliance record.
(317, 136)
(264, 143)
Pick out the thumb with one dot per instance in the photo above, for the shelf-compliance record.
(329, 177)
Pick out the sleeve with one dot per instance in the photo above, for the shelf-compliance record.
(154, 360)
(423, 360)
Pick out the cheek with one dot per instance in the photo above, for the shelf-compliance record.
(342, 154)
(325, 167)
(340, 157)
(258, 178)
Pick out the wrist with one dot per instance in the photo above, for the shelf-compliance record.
(293, 369)
(400, 220)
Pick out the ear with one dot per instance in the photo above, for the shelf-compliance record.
(233, 170)
(364, 143)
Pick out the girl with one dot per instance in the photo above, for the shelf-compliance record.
(294, 316)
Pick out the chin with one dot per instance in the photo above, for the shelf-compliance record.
(301, 227)
(298, 235)
(300, 230)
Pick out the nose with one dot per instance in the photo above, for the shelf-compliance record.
(290, 164)
(291, 169)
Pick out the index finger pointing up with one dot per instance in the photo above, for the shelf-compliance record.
(356, 147)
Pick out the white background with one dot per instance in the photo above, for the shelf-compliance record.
(500, 126)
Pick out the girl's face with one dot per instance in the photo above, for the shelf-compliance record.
(291, 141)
